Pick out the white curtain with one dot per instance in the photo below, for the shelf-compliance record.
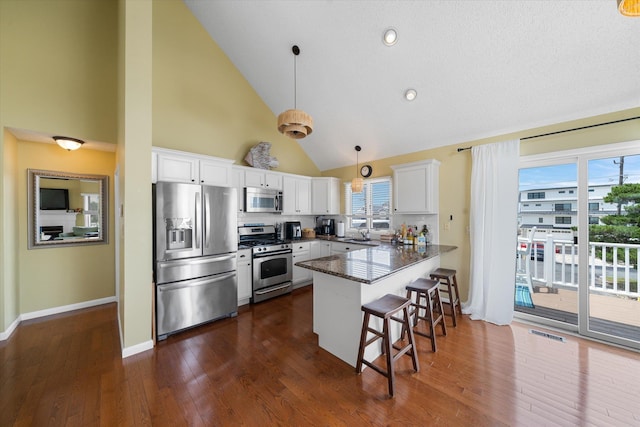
(493, 229)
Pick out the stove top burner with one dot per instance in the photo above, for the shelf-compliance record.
(264, 242)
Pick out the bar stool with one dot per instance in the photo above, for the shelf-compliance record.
(386, 309)
(433, 312)
(447, 277)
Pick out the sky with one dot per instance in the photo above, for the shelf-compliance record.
(601, 171)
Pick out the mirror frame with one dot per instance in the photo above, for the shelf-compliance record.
(33, 197)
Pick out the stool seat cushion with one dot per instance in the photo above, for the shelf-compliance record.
(443, 272)
(422, 285)
(386, 306)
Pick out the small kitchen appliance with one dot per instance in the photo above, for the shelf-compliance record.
(262, 200)
(326, 227)
(272, 261)
(293, 230)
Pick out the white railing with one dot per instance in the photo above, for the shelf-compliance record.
(555, 263)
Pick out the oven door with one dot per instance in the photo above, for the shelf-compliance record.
(272, 269)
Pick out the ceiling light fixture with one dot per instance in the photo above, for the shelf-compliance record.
(629, 7)
(357, 183)
(295, 123)
(68, 143)
(410, 94)
(389, 37)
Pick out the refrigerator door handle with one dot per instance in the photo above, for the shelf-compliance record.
(197, 221)
(193, 283)
(207, 218)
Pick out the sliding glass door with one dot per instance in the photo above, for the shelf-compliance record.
(612, 306)
(579, 242)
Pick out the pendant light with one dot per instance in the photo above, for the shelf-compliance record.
(357, 183)
(629, 7)
(68, 143)
(295, 123)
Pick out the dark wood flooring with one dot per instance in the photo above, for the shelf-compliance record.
(265, 368)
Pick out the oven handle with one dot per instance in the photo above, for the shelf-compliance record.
(269, 290)
(275, 253)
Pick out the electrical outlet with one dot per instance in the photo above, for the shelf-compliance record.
(447, 226)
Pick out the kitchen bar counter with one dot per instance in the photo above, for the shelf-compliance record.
(369, 265)
(343, 283)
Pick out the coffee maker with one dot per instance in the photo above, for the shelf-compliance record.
(326, 227)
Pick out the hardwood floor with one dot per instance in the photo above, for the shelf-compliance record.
(265, 368)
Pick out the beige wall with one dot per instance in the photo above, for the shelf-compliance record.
(59, 276)
(57, 75)
(455, 172)
(202, 104)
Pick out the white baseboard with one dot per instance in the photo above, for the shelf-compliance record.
(55, 310)
(12, 327)
(138, 348)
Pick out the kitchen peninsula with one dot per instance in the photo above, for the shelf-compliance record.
(343, 283)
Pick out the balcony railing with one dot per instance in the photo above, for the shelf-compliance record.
(554, 263)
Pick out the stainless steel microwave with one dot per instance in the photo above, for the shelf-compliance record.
(262, 200)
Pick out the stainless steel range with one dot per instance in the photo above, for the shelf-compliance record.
(271, 258)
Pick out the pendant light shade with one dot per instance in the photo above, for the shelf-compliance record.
(68, 143)
(357, 183)
(629, 7)
(295, 123)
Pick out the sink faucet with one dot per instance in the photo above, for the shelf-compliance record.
(365, 234)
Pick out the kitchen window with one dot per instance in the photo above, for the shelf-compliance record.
(369, 209)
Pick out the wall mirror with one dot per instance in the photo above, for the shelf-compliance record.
(67, 209)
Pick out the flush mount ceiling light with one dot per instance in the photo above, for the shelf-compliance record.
(68, 143)
(629, 7)
(357, 183)
(389, 37)
(295, 123)
(410, 94)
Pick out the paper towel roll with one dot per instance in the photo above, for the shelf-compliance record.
(340, 232)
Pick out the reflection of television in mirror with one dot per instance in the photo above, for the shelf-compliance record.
(52, 199)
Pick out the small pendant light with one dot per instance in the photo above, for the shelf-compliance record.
(357, 183)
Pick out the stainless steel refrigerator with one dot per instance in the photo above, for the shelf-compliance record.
(195, 245)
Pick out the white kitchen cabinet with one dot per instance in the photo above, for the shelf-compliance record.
(245, 278)
(301, 252)
(261, 178)
(177, 166)
(320, 248)
(237, 181)
(342, 247)
(415, 187)
(296, 195)
(215, 172)
(325, 196)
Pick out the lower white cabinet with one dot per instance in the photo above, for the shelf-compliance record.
(320, 248)
(341, 247)
(245, 277)
(301, 252)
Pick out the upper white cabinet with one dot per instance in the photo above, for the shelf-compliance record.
(237, 181)
(325, 194)
(296, 195)
(415, 187)
(175, 166)
(262, 179)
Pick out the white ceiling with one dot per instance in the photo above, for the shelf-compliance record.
(481, 68)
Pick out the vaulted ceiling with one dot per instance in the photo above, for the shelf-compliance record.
(480, 68)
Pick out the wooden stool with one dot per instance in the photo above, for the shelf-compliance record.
(433, 313)
(386, 308)
(447, 277)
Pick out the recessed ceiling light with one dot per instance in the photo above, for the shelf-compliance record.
(390, 37)
(410, 94)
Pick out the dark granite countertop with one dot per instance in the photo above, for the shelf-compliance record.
(368, 265)
(351, 240)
